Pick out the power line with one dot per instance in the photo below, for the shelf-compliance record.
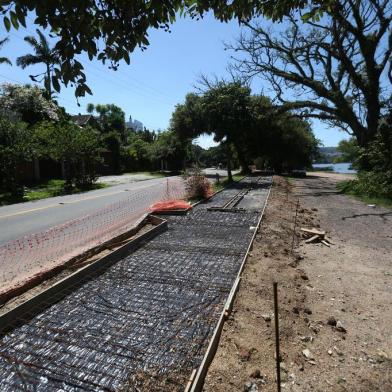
(122, 86)
(139, 89)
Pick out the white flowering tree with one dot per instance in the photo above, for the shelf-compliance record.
(26, 103)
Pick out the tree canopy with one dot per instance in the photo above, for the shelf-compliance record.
(247, 125)
(336, 68)
(111, 30)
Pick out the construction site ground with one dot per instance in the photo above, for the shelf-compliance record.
(335, 302)
(144, 323)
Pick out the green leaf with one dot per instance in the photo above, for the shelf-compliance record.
(14, 20)
(56, 84)
(21, 16)
(7, 23)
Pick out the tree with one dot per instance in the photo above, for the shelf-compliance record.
(289, 143)
(77, 148)
(26, 103)
(168, 148)
(349, 150)
(15, 149)
(4, 60)
(111, 30)
(43, 54)
(111, 119)
(137, 155)
(339, 63)
(222, 110)
(247, 126)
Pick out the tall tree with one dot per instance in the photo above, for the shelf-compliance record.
(111, 119)
(43, 54)
(4, 60)
(110, 30)
(336, 67)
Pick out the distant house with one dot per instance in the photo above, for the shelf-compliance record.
(134, 124)
(84, 119)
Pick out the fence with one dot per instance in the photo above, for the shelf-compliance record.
(26, 257)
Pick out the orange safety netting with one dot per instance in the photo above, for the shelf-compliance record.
(170, 205)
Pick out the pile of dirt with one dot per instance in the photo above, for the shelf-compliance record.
(319, 349)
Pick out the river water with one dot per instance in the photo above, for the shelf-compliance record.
(337, 167)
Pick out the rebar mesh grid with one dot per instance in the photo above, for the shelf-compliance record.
(154, 309)
(23, 258)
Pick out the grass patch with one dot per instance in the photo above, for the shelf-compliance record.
(43, 190)
(290, 180)
(353, 188)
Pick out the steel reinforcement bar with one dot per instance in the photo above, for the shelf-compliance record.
(149, 318)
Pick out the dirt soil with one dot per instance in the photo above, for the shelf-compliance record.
(335, 302)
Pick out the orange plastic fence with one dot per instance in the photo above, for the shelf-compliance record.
(170, 205)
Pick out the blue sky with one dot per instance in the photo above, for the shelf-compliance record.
(157, 78)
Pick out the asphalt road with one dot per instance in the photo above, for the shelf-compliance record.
(18, 220)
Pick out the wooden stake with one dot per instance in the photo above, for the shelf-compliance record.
(295, 226)
(277, 348)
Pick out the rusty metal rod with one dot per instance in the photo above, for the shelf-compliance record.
(277, 348)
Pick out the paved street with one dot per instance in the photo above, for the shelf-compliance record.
(18, 220)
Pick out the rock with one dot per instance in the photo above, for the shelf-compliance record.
(304, 276)
(255, 373)
(331, 321)
(314, 327)
(307, 354)
(307, 311)
(266, 317)
(339, 352)
(244, 355)
(250, 387)
(340, 327)
(283, 367)
(314, 209)
(329, 352)
(307, 338)
(382, 356)
(296, 310)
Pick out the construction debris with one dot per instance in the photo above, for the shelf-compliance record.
(316, 235)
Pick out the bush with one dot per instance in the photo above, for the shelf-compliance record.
(197, 185)
(370, 184)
